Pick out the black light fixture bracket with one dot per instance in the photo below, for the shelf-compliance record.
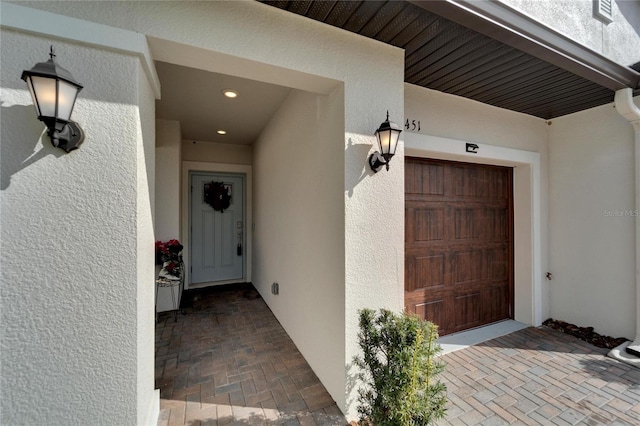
(376, 161)
(66, 136)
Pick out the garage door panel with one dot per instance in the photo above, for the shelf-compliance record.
(498, 263)
(429, 224)
(433, 310)
(467, 310)
(470, 182)
(426, 271)
(466, 266)
(425, 179)
(459, 243)
(468, 223)
(496, 301)
(497, 223)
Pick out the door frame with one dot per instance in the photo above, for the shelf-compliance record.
(185, 219)
(527, 211)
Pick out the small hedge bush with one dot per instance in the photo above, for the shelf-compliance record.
(399, 369)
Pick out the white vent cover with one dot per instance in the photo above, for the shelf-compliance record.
(603, 10)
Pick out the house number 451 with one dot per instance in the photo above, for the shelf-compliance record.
(412, 125)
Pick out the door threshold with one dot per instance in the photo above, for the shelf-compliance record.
(206, 284)
(464, 339)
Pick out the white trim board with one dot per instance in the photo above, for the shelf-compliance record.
(526, 205)
(84, 32)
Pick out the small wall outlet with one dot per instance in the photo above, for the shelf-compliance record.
(275, 288)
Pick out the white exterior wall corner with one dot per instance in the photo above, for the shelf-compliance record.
(374, 202)
(618, 41)
(310, 56)
(73, 230)
(592, 229)
(148, 399)
(506, 138)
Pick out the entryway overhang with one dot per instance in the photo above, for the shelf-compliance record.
(482, 50)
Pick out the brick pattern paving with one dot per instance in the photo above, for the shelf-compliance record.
(227, 360)
(539, 376)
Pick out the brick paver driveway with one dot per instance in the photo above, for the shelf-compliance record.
(227, 360)
(539, 376)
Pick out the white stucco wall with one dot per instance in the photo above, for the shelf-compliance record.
(77, 311)
(592, 226)
(214, 152)
(167, 180)
(299, 225)
(293, 51)
(619, 40)
(147, 399)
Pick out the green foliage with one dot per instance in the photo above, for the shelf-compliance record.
(399, 368)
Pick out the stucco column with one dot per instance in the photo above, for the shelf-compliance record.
(626, 107)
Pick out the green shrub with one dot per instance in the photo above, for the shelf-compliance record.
(399, 369)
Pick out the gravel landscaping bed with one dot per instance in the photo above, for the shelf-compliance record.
(585, 333)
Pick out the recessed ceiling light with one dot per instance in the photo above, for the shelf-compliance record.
(230, 93)
(222, 132)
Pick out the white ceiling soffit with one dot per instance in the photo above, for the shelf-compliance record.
(499, 21)
(194, 98)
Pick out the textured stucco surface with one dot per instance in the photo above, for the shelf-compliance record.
(618, 40)
(592, 216)
(308, 53)
(147, 399)
(71, 245)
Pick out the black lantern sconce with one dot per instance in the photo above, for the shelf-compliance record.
(54, 92)
(387, 134)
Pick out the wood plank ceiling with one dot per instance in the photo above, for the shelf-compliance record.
(448, 57)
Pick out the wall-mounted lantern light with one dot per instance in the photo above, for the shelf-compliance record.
(388, 134)
(54, 92)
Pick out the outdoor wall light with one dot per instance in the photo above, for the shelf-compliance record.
(388, 134)
(54, 92)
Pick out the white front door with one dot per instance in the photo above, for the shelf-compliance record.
(217, 235)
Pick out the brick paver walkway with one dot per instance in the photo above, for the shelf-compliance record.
(539, 376)
(227, 360)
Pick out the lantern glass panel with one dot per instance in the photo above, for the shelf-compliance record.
(66, 98)
(384, 139)
(395, 135)
(44, 95)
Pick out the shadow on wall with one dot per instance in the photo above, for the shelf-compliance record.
(19, 141)
(629, 10)
(352, 386)
(358, 156)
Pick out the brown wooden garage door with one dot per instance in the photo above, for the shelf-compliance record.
(458, 243)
